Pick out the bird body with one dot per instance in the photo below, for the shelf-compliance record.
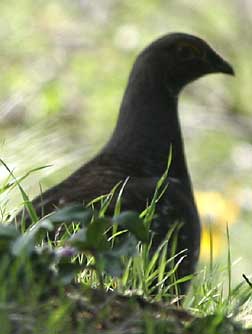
(147, 128)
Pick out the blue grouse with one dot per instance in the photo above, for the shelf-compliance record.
(147, 127)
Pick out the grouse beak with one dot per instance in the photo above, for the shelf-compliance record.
(225, 67)
(222, 66)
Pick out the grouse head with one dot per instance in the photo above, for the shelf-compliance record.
(179, 58)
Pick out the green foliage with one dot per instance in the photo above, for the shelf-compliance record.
(215, 324)
(65, 284)
(61, 87)
(48, 285)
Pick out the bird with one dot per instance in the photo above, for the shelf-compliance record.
(148, 127)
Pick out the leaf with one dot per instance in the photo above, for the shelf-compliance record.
(127, 247)
(8, 232)
(112, 259)
(24, 244)
(79, 239)
(96, 237)
(112, 265)
(92, 237)
(45, 225)
(70, 214)
(134, 224)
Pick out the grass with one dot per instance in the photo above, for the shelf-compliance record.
(98, 276)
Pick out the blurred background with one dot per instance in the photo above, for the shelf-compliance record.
(64, 65)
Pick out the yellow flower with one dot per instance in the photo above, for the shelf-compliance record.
(217, 210)
(218, 242)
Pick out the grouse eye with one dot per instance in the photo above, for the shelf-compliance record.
(186, 52)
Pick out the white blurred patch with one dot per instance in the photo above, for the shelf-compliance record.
(242, 156)
(127, 37)
(244, 198)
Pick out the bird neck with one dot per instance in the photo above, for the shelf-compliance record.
(148, 127)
